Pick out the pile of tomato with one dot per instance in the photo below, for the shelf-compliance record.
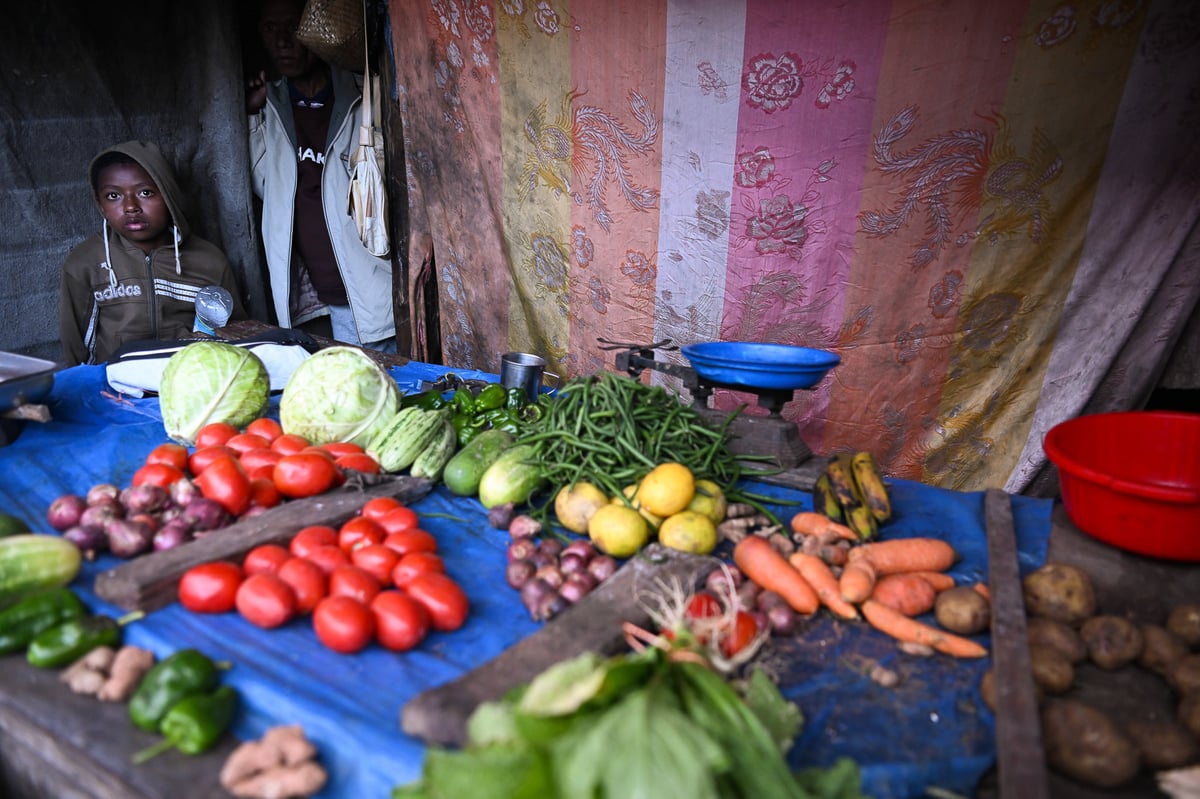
(378, 577)
(256, 467)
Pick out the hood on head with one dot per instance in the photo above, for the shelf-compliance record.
(155, 163)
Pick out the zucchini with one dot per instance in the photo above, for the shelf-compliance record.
(514, 477)
(435, 457)
(33, 561)
(464, 471)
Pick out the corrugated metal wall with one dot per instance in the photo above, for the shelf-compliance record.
(77, 76)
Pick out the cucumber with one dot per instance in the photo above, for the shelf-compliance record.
(33, 561)
(464, 471)
(514, 477)
(434, 458)
(398, 446)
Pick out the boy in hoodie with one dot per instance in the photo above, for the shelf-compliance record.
(137, 279)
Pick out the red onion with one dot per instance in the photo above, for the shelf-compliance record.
(101, 492)
(573, 590)
(205, 514)
(127, 538)
(172, 534)
(100, 514)
(572, 563)
(500, 516)
(518, 573)
(582, 548)
(89, 540)
(183, 491)
(144, 498)
(524, 526)
(533, 596)
(781, 619)
(551, 606)
(540, 559)
(149, 519)
(551, 574)
(747, 596)
(767, 600)
(550, 546)
(521, 549)
(724, 582)
(65, 511)
(602, 567)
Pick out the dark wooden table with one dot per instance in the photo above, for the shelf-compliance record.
(55, 745)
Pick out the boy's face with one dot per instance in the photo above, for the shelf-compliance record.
(133, 206)
(277, 23)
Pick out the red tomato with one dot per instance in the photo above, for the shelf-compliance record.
(289, 444)
(339, 448)
(415, 563)
(349, 580)
(703, 605)
(266, 601)
(265, 472)
(265, 558)
(402, 518)
(255, 458)
(210, 587)
(316, 449)
(203, 456)
(309, 583)
(265, 427)
(414, 540)
(171, 454)
(215, 434)
(328, 557)
(377, 507)
(343, 624)
(377, 560)
(309, 538)
(224, 482)
(263, 492)
(358, 462)
(158, 474)
(304, 474)
(734, 640)
(400, 621)
(244, 442)
(359, 532)
(442, 597)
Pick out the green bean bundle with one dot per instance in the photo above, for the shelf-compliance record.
(611, 430)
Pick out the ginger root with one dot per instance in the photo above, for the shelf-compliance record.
(280, 765)
(88, 674)
(128, 667)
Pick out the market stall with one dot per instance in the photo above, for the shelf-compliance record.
(929, 730)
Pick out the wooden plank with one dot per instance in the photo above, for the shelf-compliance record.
(1021, 764)
(439, 715)
(149, 581)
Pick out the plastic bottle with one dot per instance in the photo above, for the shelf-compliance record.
(213, 307)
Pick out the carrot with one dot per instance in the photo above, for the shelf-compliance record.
(907, 555)
(820, 525)
(908, 593)
(939, 580)
(771, 571)
(820, 577)
(857, 581)
(983, 590)
(904, 629)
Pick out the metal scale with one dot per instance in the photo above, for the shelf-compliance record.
(769, 371)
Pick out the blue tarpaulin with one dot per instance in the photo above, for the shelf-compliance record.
(930, 730)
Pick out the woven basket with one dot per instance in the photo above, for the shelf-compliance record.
(335, 31)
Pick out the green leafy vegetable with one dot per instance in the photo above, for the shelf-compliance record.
(338, 394)
(211, 381)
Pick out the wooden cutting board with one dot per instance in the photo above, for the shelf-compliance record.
(439, 715)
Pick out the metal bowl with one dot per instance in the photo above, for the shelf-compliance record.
(760, 365)
(24, 380)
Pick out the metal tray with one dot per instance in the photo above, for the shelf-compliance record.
(24, 380)
(760, 364)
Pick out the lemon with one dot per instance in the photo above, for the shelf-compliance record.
(667, 489)
(709, 500)
(688, 531)
(575, 504)
(630, 493)
(618, 530)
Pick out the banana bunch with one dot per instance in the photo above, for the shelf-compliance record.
(851, 491)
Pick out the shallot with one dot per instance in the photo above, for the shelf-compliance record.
(172, 534)
(102, 492)
(205, 514)
(65, 511)
(144, 498)
(519, 572)
(521, 549)
(89, 540)
(602, 567)
(101, 513)
(128, 538)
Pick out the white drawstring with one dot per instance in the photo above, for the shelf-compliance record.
(112, 276)
(178, 268)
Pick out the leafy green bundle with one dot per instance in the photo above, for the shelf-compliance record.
(631, 726)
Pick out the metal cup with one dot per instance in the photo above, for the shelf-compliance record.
(526, 371)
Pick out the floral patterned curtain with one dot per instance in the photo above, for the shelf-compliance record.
(988, 210)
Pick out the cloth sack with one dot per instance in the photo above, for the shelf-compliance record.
(335, 30)
(366, 197)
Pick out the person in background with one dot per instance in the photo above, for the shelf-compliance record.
(138, 277)
(303, 128)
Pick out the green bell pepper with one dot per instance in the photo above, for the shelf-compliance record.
(516, 399)
(195, 723)
(491, 397)
(181, 674)
(22, 622)
(70, 640)
(463, 402)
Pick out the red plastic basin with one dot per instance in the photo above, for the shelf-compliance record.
(1132, 479)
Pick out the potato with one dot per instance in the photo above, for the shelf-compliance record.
(1112, 641)
(1189, 713)
(1184, 621)
(1052, 672)
(1056, 635)
(1086, 745)
(1163, 744)
(1060, 591)
(1161, 648)
(1184, 675)
(962, 610)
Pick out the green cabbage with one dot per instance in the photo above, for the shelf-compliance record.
(211, 381)
(338, 394)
